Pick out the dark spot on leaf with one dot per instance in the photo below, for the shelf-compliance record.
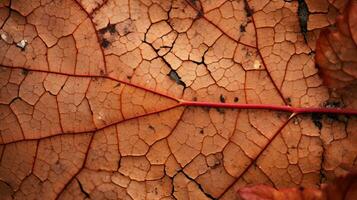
(151, 127)
(323, 177)
(24, 72)
(242, 28)
(312, 54)
(197, 6)
(105, 43)
(303, 13)
(126, 31)
(332, 117)
(194, 99)
(202, 131)
(174, 76)
(222, 98)
(248, 10)
(220, 110)
(102, 72)
(206, 108)
(236, 99)
(94, 79)
(316, 118)
(333, 104)
(102, 31)
(128, 77)
(296, 121)
(199, 14)
(110, 28)
(343, 118)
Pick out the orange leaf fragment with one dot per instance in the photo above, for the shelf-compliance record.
(336, 50)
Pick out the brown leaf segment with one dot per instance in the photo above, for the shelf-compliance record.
(336, 50)
(157, 99)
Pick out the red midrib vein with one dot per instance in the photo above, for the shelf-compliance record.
(296, 110)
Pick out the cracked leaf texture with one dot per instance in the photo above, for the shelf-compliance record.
(90, 93)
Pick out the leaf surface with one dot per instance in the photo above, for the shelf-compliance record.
(98, 99)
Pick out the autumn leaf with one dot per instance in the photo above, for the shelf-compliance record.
(158, 99)
(335, 55)
(336, 50)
